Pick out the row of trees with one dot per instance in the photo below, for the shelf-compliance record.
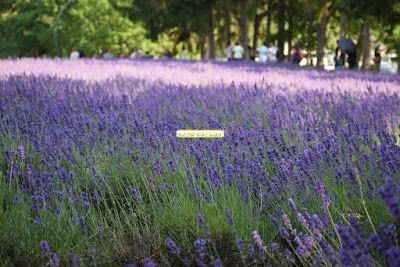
(205, 26)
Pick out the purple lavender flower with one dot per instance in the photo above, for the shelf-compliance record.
(54, 261)
(215, 179)
(202, 221)
(392, 255)
(186, 261)
(37, 220)
(287, 222)
(251, 251)
(21, 152)
(390, 194)
(86, 205)
(257, 238)
(149, 263)
(172, 246)
(200, 247)
(135, 194)
(74, 261)
(322, 192)
(82, 224)
(216, 262)
(239, 244)
(275, 246)
(44, 246)
(292, 206)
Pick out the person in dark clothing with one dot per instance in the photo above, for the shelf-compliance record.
(352, 59)
(297, 55)
(339, 57)
(252, 54)
(377, 58)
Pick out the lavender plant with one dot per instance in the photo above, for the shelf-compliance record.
(91, 172)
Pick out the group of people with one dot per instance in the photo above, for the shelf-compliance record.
(347, 52)
(265, 52)
(343, 54)
(108, 54)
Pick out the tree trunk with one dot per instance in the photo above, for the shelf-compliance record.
(359, 46)
(281, 29)
(211, 40)
(342, 24)
(269, 16)
(290, 35)
(244, 40)
(366, 44)
(55, 30)
(321, 34)
(398, 58)
(202, 44)
(257, 21)
(309, 40)
(227, 25)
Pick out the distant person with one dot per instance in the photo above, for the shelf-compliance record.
(82, 54)
(238, 52)
(377, 58)
(139, 53)
(132, 54)
(108, 55)
(183, 53)
(167, 53)
(263, 53)
(339, 57)
(147, 55)
(273, 52)
(352, 59)
(74, 54)
(252, 53)
(229, 51)
(297, 55)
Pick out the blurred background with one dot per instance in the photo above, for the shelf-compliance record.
(163, 28)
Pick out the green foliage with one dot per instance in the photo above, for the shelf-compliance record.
(26, 26)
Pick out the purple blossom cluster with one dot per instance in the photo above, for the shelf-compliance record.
(305, 146)
(52, 256)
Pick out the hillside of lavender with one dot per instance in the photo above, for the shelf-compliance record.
(92, 173)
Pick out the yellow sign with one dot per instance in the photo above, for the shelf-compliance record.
(200, 133)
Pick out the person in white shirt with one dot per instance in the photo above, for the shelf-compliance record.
(108, 55)
(74, 54)
(229, 51)
(132, 54)
(238, 52)
(183, 53)
(263, 53)
(272, 52)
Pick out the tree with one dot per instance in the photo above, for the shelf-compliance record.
(243, 25)
(257, 20)
(55, 30)
(324, 15)
(211, 42)
(281, 28)
(385, 12)
(25, 28)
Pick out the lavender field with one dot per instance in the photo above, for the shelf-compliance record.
(92, 173)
